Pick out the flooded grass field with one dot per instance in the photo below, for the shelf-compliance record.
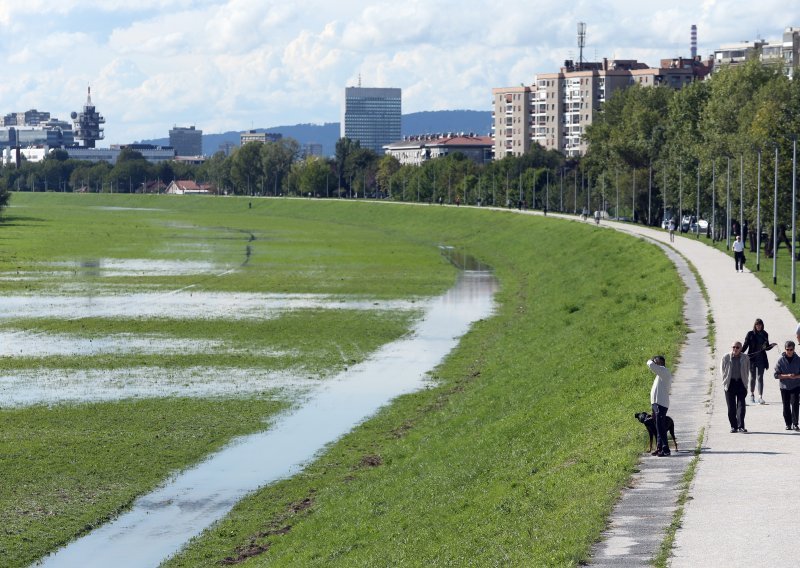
(250, 318)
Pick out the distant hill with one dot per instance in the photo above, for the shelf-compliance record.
(429, 122)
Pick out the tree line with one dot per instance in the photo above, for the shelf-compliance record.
(653, 151)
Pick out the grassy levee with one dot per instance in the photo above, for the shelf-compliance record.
(518, 453)
(514, 455)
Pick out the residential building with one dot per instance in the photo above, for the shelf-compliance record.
(256, 136)
(311, 149)
(153, 154)
(31, 117)
(556, 109)
(414, 150)
(54, 134)
(187, 141)
(784, 52)
(372, 116)
(188, 187)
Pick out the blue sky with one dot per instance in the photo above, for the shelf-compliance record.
(236, 64)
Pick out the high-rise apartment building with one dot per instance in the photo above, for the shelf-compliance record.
(784, 52)
(31, 117)
(187, 141)
(372, 116)
(555, 111)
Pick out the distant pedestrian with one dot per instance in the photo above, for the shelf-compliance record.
(250, 205)
(738, 254)
(671, 228)
(597, 217)
(659, 400)
(733, 368)
(787, 371)
(756, 344)
(544, 210)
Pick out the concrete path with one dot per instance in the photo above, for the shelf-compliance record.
(743, 501)
(645, 510)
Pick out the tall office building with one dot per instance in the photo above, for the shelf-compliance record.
(186, 141)
(372, 116)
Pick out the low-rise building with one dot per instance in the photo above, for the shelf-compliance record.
(255, 136)
(187, 187)
(414, 150)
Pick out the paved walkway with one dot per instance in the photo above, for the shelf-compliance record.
(743, 501)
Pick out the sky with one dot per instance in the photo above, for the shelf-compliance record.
(224, 65)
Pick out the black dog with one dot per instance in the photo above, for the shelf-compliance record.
(650, 423)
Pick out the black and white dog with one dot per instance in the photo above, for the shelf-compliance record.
(650, 423)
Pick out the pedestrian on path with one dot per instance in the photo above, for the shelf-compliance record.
(671, 227)
(734, 367)
(659, 400)
(756, 344)
(738, 254)
(787, 371)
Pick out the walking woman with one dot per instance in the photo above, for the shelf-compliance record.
(787, 371)
(756, 344)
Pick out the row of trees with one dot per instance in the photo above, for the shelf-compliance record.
(706, 142)
(650, 150)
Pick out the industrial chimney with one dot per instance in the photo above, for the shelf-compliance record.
(693, 43)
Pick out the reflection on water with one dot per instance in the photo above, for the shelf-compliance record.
(184, 305)
(160, 523)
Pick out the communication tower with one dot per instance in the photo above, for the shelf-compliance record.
(86, 124)
(581, 43)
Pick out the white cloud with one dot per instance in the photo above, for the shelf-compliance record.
(233, 64)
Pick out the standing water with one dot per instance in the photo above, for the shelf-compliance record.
(160, 523)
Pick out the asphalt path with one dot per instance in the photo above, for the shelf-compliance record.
(744, 498)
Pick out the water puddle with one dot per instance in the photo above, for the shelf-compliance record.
(115, 267)
(60, 386)
(160, 523)
(184, 304)
(112, 208)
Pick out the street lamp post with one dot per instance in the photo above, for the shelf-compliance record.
(728, 207)
(775, 223)
(741, 197)
(758, 214)
(649, 192)
(697, 210)
(616, 182)
(794, 211)
(561, 201)
(680, 198)
(713, 201)
(633, 197)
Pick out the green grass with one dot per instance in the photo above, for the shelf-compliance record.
(516, 455)
(68, 468)
(308, 341)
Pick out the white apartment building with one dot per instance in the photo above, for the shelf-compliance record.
(556, 110)
(784, 52)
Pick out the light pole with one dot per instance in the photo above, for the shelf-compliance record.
(680, 198)
(697, 210)
(649, 192)
(728, 207)
(775, 223)
(561, 201)
(713, 200)
(741, 197)
(794, 210)
(758, 214)
(616, 182)
(633, 197)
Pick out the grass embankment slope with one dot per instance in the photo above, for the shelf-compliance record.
(518, 454)
(69, 468)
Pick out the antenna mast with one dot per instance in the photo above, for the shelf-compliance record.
(581, 43)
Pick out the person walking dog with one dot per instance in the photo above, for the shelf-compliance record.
(733, 368)
(659, 400)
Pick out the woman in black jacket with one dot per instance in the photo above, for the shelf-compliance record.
(756, 344)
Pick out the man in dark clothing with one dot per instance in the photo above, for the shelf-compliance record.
(733, 368)
(787, 371)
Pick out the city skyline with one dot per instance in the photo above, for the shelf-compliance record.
(240, 64)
